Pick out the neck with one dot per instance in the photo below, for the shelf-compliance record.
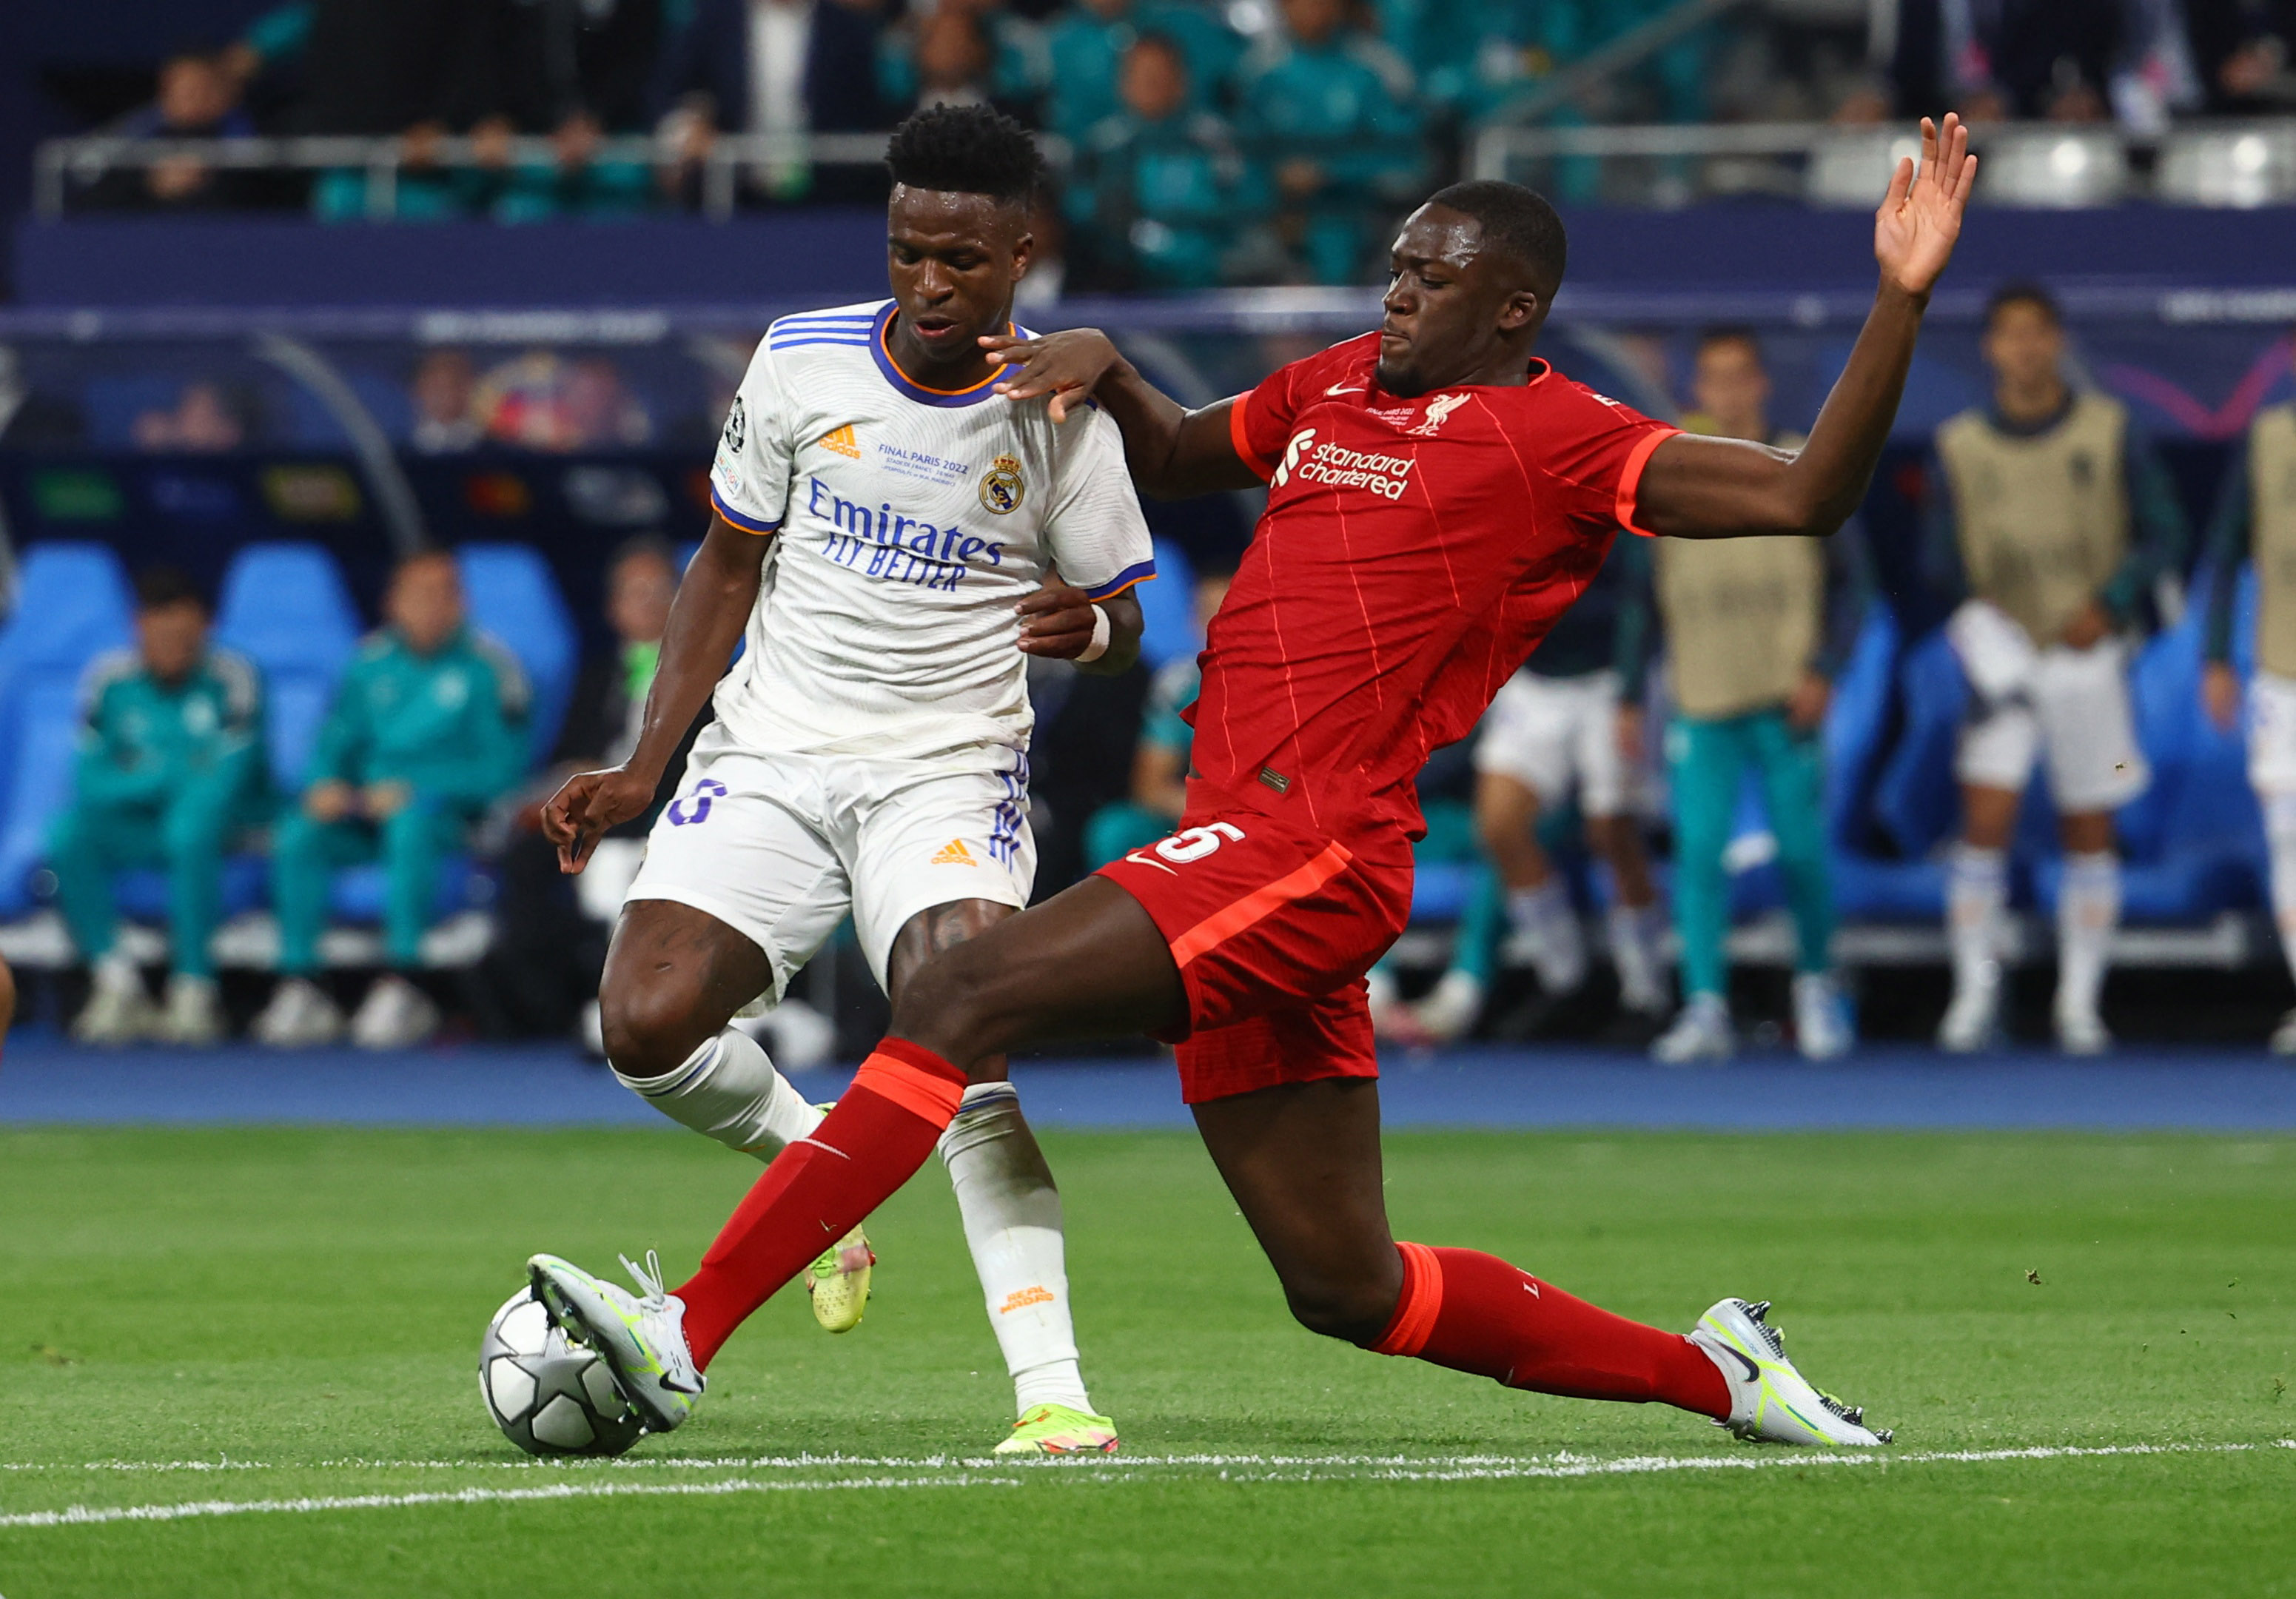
(2031, 403)
(960, 369)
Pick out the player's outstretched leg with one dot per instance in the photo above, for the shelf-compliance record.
(675, 977)
(638, 1335)
(1303, 1162)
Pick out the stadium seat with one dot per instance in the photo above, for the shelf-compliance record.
(71, 603)
(285, 606)
(514, 597)
(1866, 886)
(2233, 167)
(1168, 608)
(1914, 798)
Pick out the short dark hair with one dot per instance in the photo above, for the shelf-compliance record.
(157, 588)
(1518, 221)
(1729, 333)
(965, 150)
(2023, 292)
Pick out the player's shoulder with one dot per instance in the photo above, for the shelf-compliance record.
(2106, 411)
(241, 679)
(831, 334)
(509, 671)
(1346, 359)
(110, 667)
(1556, 400)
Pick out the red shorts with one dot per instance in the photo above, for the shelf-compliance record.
(1273, 927)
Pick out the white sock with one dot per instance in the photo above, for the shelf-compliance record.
(1544, 915)
(115, 973)
(2089, 908)
(2280, 833)
(728, 1090)
(1634, 952)
(1977, 890)
(1013, 1225)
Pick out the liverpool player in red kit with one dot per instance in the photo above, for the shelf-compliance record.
(1437, 496)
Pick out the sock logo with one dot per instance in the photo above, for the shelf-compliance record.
(953, 854)
(1034, 1294)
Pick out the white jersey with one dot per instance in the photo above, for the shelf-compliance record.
(909, 523)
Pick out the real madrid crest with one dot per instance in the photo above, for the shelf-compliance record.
(1001, 488)
(736, 426)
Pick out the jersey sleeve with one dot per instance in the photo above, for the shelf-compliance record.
(1597, 449)
(748, 482)
(1095, 532)
(1259, 422)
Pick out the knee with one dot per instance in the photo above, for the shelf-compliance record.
(953, 1005)
(648, 1030)
(1353, 1306)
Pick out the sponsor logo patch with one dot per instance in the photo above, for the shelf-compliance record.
(842, 441)
(954, 854)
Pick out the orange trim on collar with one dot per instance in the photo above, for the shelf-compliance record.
(885, 343)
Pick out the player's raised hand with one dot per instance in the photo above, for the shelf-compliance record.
(1068, 365)
(588, 803)
(1057, 622)
(1914, 232)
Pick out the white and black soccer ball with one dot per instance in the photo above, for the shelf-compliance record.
(549, 1395)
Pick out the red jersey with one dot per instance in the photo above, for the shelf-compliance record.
(1414, 552)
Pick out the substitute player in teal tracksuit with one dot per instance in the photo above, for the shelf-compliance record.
(170, 765)
(427, 729)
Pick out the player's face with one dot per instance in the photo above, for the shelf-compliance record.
(425, 604)
(1455, 312)
(953, 259)
(172, 638)
(2024, 345)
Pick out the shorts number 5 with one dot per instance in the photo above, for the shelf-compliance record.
(1196, 843)
(679, 815)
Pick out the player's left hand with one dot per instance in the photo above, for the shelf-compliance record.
(1806, 706)
(1914, 232)
(1056, 621)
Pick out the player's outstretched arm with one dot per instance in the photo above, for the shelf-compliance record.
(1172, 452)
(1698, 487)
(713, 604)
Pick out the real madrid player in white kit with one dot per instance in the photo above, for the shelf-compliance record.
(891, 541)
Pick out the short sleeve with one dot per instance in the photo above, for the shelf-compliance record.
(748, 482)
(1259, 422)
(1095, 532)
(1596, 448)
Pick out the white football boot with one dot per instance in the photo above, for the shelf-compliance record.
(300, 1016)
(1972, 1021)
(1771, 1402)
(118, 1011)
(641, 1337)
(1822, 1028)
(396, 1014)
(194, 1015)
(2082, 1033)
(1701, 1034)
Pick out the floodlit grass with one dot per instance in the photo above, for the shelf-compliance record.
(249, 1322)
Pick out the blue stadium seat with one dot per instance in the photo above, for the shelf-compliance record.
(1915, 796)
(72, 603)
(1168, 608)
(514, 597)
(285, 606)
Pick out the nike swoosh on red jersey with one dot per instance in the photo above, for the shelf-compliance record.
(1346, 388)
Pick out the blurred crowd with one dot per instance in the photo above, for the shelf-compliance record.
(1200, 141)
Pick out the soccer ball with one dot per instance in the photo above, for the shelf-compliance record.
(549, 1395)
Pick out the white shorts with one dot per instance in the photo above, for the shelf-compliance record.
(2272, 734)
(1556, 734)
(780, 848)
(2068, 706)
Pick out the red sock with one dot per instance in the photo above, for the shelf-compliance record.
(1475, 1313)
(884, 1127)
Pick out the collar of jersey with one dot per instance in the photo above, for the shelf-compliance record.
(882, 352)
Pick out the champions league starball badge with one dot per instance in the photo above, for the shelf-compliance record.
(1001, 488)
(737, 425)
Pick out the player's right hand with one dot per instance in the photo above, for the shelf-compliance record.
(587, 804)
(1068, 365)
(1920, 219)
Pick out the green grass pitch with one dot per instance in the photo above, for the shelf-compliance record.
(251, 1321)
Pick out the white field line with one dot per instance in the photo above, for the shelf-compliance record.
(1231, 1468)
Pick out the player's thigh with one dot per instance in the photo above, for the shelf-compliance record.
(920, 835)
(1303, 1162)
(1526, 737)
(2089, 729)
(1506, 810)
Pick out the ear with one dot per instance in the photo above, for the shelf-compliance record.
(1520, 310)
(1024, 252)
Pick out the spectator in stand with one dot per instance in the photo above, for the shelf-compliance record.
(1756, 630)
(197, 99)
(428, 730)
(2255, 524)
(171, 764)
(954, 58)
(2055, 59)
(1327, 110)
(1940, 56)
(2244, 52)
(1160, 193)
(2053, 516)
(1160, 761)
(203, 420)
(1560, 730)
(445, 412)
(771, 67)
(1086, 47)
(577, 73)
(419, 68)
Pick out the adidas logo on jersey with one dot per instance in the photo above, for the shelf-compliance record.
(953, 854)
(842, 441)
